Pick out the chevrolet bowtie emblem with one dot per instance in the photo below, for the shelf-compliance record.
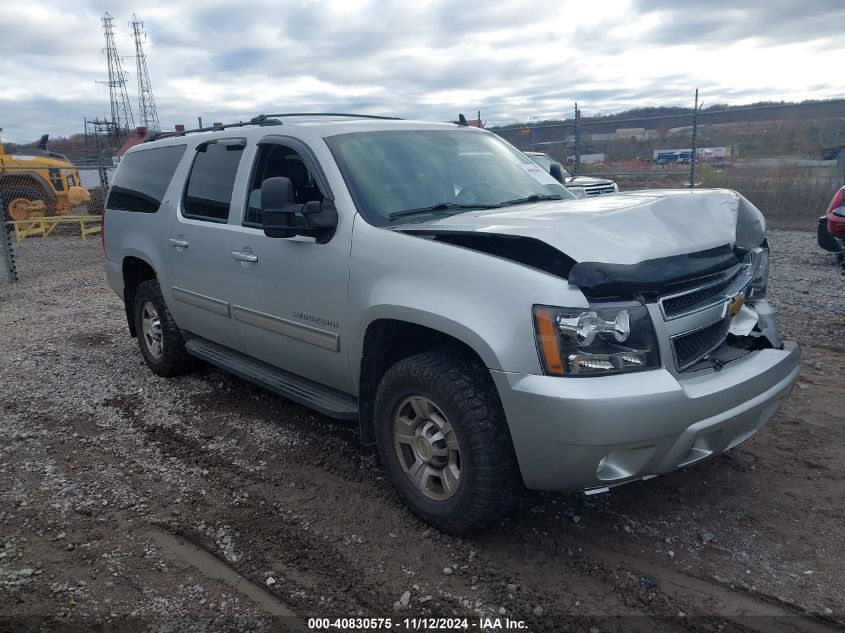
(736, 303)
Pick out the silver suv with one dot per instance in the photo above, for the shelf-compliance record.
(489, 331)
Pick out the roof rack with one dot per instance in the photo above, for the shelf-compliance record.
(262, 117)
(265, 119)
(212, 128)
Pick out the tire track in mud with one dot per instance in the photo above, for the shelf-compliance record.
(304, 560)
(212, 567)
(752, 610)
(300, 559)
(274, 539)
(748, 610)
(206, 561)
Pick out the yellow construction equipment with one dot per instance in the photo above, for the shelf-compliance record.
(38, 184)
(44, 227)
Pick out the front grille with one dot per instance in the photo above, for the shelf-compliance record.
(700, 298)
(692, 347)
(597, 190)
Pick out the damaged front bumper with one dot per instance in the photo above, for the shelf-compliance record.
(578, 434)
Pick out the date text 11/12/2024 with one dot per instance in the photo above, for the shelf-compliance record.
(415, 624)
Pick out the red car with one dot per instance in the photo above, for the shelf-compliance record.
(831, 234)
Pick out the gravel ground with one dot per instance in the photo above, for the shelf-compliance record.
(202, 503)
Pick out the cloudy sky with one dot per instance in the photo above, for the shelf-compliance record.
(226, 60)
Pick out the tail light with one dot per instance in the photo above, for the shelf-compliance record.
(837, 205)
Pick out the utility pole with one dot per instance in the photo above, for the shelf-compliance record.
(694, 141)
(147, 112)
(577, 140)
(99, 126)
(121, 111)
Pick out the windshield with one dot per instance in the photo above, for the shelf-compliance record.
(412, 175)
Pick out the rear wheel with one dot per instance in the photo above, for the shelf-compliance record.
(444, 441)
(161, 344)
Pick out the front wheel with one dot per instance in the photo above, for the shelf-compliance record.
(444, 441)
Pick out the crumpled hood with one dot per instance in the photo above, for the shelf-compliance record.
(625, 228)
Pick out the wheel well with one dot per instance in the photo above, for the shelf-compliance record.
(135, 272)
(386, 342)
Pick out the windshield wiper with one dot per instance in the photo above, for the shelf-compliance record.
(442, 206)
(536, 197)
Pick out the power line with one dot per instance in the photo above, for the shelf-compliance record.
(147, 112)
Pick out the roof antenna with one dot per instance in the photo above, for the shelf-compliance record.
(462, 120)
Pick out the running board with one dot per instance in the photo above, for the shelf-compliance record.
(313, 395)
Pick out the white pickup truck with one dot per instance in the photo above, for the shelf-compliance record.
(580, 186)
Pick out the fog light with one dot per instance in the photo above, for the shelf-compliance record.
(602, 462)
(626, 360)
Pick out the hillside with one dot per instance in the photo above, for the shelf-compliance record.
(758, 130)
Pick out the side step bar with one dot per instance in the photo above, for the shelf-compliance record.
(325, 400)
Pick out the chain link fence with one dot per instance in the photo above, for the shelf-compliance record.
(51, 219)
(788, 159)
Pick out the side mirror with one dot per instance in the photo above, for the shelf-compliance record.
(281, 217)
(557, 172)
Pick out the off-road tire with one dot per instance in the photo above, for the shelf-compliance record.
(174, 359)
(490, 481)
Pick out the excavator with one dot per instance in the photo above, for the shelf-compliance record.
(37, 184)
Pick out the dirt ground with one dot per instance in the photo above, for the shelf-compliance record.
(132, 502)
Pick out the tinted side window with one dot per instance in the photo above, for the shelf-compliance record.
(279, 160)
(210, 183)
(143, 178)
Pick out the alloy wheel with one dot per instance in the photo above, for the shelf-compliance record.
(151, 329)
(427, 447)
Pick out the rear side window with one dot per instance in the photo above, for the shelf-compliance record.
(143, 178)
(211, 181)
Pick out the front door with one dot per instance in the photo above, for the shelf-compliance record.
(290, 295)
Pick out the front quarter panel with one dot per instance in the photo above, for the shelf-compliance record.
(482, 300)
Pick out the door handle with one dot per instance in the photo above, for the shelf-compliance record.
(179, 243)
(244, 257)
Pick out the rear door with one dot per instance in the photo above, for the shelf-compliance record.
(198, 242)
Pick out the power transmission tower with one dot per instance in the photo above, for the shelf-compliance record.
(121, 111)
(147, 113)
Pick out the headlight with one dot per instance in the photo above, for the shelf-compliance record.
(615, 188)
(595, 341)
(578, 192)
(756, 288)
